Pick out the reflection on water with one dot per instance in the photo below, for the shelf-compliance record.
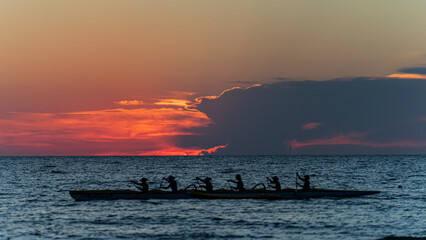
(34, 200)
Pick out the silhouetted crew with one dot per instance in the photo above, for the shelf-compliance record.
(142, 186)
(276, 183)
(239, 182)
(208, 182)
(306, 183)
(172, 183)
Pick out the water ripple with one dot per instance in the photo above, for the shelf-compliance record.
(35, 204)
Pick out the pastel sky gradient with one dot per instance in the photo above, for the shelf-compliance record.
(110, 77)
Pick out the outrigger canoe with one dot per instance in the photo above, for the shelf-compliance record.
(86, 195)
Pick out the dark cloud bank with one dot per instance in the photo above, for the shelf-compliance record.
(349, 116)
(413, 70)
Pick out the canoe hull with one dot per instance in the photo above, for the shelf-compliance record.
(87, 195)
(322, 193)
(285, 194)
(236, 195)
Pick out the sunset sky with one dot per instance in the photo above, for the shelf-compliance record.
(110, 77)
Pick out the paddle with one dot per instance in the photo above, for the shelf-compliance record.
(259, 184)
(199, 184)
(229, 184)
(136, 185)
(296, 184)
(191, 185)
(269, 183)
(161, 184)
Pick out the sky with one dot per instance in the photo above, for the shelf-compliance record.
(109, 77)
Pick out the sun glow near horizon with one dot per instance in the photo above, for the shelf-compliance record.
(151, 131)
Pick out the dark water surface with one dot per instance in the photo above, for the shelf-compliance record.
(34, 200)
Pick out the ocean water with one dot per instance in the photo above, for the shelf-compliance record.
(35, 204)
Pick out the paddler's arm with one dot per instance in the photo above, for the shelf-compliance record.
(300, 177)
(232, 187)
(200, 179)
(135, 183)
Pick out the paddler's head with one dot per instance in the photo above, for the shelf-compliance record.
(143, 180)
(275, 178)
(307, 177)
(170, 178)
(238, 177)
(207, 179)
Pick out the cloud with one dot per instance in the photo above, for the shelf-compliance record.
(111, 131)
(281, 79)
(176, 151)
(227, 91)
(346, 116)
(181, 94)
(413, 70)
(273, 118)
(355, 139)
(410, 73)
(243, 82)
(310, 126)
(129, 103)
(407, 76)
(173, 102)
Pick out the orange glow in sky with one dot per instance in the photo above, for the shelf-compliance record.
(175, 151)
(407, 75)
(150, 130)
(129, 103)
(173, 102)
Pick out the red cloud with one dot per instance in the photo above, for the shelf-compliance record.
(356, 139)
(176, 151)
